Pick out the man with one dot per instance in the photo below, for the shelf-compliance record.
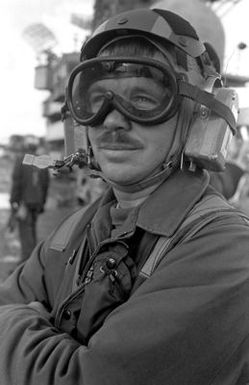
(28, 196)
(150, 284)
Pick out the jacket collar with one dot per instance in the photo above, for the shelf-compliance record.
(165, 209)
(163, 212)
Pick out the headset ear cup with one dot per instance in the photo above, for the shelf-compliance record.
(211, 132)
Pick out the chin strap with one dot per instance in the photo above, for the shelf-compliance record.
(168, 169)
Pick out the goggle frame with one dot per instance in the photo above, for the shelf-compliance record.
(112, 101)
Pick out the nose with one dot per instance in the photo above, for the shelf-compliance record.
(115, 120)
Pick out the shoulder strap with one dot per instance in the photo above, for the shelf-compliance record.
(203, 213)
(78, 220)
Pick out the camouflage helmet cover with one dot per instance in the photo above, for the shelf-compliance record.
(155, 23)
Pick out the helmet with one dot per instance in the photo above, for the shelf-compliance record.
(161, 28)
(158, 27)
(160, 24)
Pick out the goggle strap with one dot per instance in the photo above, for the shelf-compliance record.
(208, 100)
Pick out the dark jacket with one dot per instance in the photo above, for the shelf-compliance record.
(29, 185)
(187, 324)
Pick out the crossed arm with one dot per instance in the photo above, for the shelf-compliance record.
(187, 324)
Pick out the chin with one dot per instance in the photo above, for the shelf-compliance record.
(122, 181)
(118, 173)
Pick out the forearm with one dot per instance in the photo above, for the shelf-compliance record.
(35, 352)
(155, 335)
(184, 324)
(26, 283)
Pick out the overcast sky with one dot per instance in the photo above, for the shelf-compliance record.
(21, 103)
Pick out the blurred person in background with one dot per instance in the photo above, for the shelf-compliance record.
(88, 189)
(83, 189)
(227, 182)
(240, 199)
(150, 284)
(29, 189)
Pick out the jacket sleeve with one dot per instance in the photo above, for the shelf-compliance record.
(187, 324)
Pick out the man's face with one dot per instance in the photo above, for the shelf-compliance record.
(127, 152)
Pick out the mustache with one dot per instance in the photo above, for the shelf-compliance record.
(117, 137)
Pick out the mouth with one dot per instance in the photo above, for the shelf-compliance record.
(119, 147)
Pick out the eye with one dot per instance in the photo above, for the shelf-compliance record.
(95, 100)
(143, 101)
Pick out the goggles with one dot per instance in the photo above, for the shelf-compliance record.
(144, 90)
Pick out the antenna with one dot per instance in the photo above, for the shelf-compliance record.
(41, 38)
(241, 46)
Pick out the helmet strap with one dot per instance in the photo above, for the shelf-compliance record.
(91, 162)
(185, 117)
(168, 169)
(181, 58)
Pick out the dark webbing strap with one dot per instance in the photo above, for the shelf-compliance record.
(209, 100)
(205, 212)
